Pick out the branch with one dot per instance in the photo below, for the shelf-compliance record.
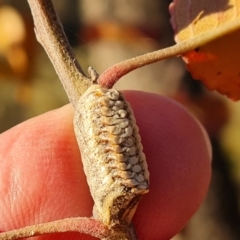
(50, 34)
(81, 225)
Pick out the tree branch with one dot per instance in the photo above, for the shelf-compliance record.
(50, 34)
(81, 225)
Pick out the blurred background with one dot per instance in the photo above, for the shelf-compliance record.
(105, 34)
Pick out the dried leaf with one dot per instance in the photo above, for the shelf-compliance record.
(215, 63)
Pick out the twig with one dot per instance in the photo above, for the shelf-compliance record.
(81, 225)
(50, 34)
(110, 76)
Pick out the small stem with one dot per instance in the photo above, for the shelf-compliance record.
(50, 34)
(110, 76)
(81, 225)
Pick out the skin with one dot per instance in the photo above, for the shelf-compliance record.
(42, 177)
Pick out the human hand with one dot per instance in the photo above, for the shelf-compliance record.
(42, 177)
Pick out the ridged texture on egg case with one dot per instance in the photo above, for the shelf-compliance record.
(112, 155)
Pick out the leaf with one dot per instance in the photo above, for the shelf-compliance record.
(216, 63)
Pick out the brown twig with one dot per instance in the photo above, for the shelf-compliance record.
(50, 34)
(81, 225)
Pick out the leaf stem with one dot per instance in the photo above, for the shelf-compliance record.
(80, 224)
(110, 76)
(50, 34)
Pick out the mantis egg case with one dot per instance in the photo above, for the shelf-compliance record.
(111, 152)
